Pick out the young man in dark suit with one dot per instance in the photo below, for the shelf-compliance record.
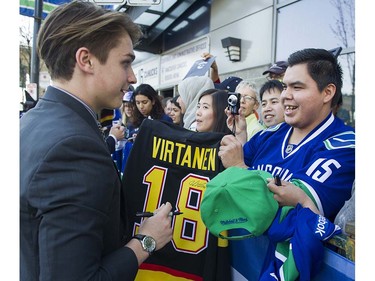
(71, 219)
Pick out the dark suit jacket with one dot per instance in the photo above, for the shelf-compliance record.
(70, 223)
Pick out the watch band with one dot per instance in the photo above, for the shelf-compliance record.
(139, 236)
(147, 242)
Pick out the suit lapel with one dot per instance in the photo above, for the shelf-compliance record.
(56, 95)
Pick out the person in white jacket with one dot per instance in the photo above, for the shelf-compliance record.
(189, 90)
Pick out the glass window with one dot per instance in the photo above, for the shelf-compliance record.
(320, 24)
(315, 24)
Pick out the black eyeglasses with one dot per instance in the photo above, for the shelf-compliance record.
(249, 98)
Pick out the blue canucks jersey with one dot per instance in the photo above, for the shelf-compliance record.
(323, 163)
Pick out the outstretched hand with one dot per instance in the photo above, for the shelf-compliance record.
(214, 69)
(207, 56)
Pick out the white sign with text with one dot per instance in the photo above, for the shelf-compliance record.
(176, 64)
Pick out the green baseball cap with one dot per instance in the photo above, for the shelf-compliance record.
(238, 199)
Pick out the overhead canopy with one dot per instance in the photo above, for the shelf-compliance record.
(166, 25)
(169, 24)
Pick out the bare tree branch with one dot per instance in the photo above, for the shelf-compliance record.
(344, 29)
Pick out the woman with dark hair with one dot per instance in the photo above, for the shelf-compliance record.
(210, 115)
(176, 113)
(147, 105)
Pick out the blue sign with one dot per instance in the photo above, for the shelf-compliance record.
(27, 7)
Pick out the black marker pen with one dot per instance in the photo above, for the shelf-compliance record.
(150, 214)
(277, 180)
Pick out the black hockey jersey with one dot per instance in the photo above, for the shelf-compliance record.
(170, 163)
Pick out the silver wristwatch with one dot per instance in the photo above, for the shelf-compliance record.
(148, 243)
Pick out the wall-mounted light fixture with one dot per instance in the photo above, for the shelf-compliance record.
(233, 46)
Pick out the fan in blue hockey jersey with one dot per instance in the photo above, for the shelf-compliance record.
(313, 151)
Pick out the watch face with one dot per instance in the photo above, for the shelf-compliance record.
(149, 244)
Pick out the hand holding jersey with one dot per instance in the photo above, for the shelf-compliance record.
(231, 152)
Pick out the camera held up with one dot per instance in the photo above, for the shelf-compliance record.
(234, 101)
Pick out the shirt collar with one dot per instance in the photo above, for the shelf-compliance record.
(92, 112)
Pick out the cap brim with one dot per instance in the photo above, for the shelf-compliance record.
(274, 71)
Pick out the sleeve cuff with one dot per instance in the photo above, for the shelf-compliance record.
(113, 136)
